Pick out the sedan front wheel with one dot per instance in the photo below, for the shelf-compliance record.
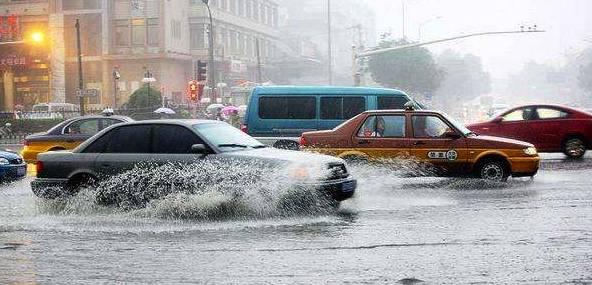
(493, 170)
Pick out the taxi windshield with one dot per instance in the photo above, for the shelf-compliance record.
(458, 126)
(226, 137)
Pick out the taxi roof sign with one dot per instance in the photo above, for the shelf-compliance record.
(409, 106)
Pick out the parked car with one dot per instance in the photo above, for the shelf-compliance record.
(551, 128)
(278, 115)
(121, 147)
(67, 135)
(425, 136)
(12, 166)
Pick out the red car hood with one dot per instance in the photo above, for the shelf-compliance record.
(496, 142)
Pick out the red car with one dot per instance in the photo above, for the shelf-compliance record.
(551, 128)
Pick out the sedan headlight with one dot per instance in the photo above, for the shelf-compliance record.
(4, 161)
(530, 151)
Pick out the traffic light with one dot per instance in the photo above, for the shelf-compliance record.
(195, 90)
(202, 71)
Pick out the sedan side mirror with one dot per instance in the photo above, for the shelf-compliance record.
(452, 135)
(199, 149)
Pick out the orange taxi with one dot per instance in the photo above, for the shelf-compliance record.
(425, 136)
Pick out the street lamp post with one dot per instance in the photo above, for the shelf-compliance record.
(116, 77)
(212, 67)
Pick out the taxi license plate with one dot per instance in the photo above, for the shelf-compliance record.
(21, 171)
(348, 186)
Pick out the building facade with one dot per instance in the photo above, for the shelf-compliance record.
(130, 39)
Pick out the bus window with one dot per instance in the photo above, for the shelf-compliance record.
(341, 108)
(288, 107)
(391, 102)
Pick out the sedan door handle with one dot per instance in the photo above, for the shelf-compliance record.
(363, 142)
(419, 143)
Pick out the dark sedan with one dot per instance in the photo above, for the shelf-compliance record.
(551, 128)
(12, 167)
(124, 146)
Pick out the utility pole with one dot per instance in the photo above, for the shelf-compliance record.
(368, 53)
(259, 77)
(80, 79)
(211, 63)
(329, 43)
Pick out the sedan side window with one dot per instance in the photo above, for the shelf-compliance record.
(519, 115)
(130, 139)
(383, 126)
(429, 127)
(105, 123)
(83, 127)
(173, 139)
(548, 113)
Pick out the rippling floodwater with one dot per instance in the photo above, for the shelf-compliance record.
(398, 229)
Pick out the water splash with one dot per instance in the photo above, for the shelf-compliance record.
(205, 190)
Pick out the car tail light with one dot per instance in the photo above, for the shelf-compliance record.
(244, 128)
(302, 141)
(39, 167)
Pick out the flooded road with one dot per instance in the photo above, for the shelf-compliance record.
(397, 229)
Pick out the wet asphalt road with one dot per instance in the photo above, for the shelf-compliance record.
(397, 229)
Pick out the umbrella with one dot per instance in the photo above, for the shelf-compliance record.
(164, 111)
(229, 110)
(214, 107)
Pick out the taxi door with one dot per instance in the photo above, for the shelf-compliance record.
(436, 141)
(382, 137)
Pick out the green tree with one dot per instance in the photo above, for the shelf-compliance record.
(413, 70)
(585, 77)
(463, 80)
(145, 98)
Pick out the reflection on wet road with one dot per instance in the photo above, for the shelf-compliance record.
(398, 228)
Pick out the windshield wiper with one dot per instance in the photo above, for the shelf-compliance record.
(233, 145)
(259, 146)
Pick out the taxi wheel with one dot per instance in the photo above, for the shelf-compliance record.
(493, 170)
(574, 148)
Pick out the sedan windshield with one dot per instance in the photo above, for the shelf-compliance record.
(459, 126)
(226, 137)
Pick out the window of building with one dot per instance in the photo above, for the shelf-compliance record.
(241, 7)
(122, 33)
(255, 10)
(287, 108)
(232, 6)
(80, 5)
(249, 9)
(138, 32)
(153, 31)
(224, 5)
(198, 36)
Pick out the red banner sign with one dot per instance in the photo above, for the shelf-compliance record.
(12, 61)
(9, 28)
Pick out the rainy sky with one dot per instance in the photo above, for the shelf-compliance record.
(568, 25)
